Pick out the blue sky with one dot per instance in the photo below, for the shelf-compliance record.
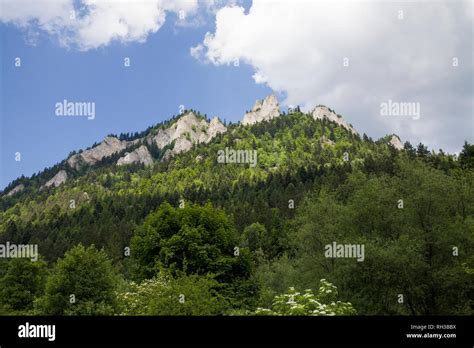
(351, 56)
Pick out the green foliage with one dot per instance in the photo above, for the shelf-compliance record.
(409, 224)
(165, 295)
(193, 239)
(408, 251)
(86, 274)
(22, 282)
(466, 157)
(254, 236)
(323, 303)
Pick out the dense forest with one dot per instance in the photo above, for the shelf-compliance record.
(191, 236)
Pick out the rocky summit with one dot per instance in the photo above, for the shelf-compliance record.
(396, 142)
(186, 131)
(162, 142)
(323, 112)
(263, 110)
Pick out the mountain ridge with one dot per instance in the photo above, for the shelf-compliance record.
(174, 136)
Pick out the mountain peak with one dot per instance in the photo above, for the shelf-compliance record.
(186, 131)
(263, 110)
(396, 142)
(323, 112)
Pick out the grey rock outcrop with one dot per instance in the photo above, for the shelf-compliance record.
(185, 132)
(182, 144)
(15, 190)
(326, 141)
(57, 180)
(322, 112)
(263, 110)
(167, 156)
(139, 155)
(108, 147)
(215, 127)
(396, 142)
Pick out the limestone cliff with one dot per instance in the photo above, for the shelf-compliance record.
(263, 110)
(396, 142)
(59, 179)
(186, 131)
(108, 147)
(322, 112)
(139, 155)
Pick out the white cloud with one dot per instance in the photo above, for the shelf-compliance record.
(96, 23)
(298, 48)
(49, 16)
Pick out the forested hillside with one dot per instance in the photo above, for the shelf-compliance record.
(188, 235)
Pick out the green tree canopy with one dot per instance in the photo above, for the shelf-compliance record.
(23, 281)
(167, 295)
(83, 283)
(194, 239)
(466, 157)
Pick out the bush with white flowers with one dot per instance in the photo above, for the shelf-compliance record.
(323, 303)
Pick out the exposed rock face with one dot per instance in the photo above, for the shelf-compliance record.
(182, 145)
(215, 127)
(59, 179)
(108, 147)
(322, 112)
(326, 141)
(167, 156)
(188, 130)
(16, 190)
(263, 110)
(140, 155)
(396, 142)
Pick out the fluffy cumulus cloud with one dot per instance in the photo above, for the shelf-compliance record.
(88, 24)
(353, 56)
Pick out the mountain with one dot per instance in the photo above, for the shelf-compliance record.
(188, 130)
(160, 156)
(252, 205)
(177, 137)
